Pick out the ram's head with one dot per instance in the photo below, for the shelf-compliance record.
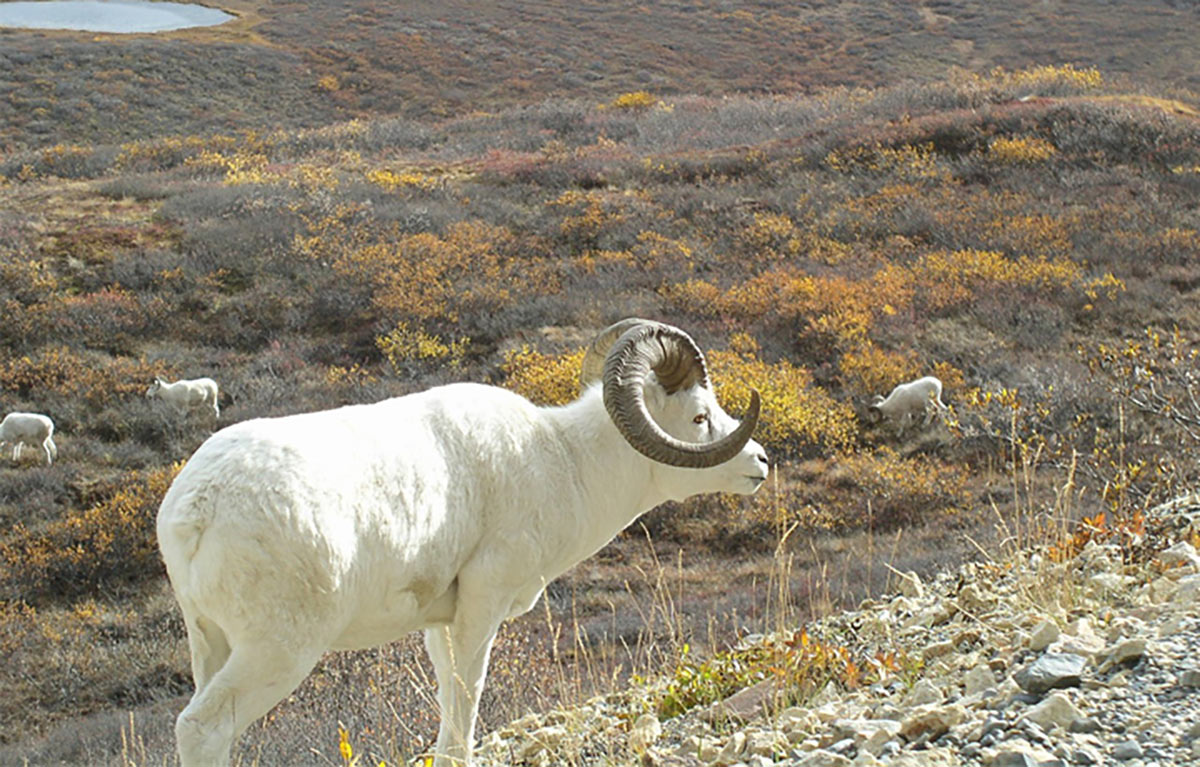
(657, 392)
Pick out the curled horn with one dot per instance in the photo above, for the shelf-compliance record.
(597, 351)
(682, 366)
(671, 354)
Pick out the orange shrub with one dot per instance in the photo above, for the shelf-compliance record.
(240, 167)
(695, 297)
(659, 252)
(473, 267)
(786, 292)
(817, 247)
(114, 540)
(98, 380)
(770, 235)
(587, 215)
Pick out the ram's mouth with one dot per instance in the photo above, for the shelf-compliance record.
(756, 478)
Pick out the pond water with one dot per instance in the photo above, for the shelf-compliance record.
(108, 15)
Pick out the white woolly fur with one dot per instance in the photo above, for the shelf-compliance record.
(32, 429)
(448, 510)
(187, 394)
(908, 400)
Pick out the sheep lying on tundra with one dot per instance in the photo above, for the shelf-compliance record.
(187, 394)
(907, 400)
(448, 510)
(33, 429)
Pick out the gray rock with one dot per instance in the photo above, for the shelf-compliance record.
(1129, 749)
(1122, 653)
(823, 759)
(923, 693)
(931, 720)
(1051, 671)
(978, 679)
(1015, 756)
(744, 705)
(1056, 710)
(1086, 725)
(1045, 634)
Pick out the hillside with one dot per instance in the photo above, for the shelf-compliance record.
(1031, 236)
(307, 63)
(1018, 659)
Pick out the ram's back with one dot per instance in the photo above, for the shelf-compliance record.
(342, 507)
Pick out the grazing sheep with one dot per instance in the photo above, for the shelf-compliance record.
(187, 394)
(901, 407)
(448, 510)
(33, 429)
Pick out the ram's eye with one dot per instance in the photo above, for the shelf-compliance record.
(700, 418)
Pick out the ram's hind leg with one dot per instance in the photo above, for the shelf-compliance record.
(459, 652)
(209, 648)
(252, 680)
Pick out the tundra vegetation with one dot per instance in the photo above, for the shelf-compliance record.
(1029, 237)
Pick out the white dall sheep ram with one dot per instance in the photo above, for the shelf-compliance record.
(187, 394)
(907, 400)
(33, 429)
(449, 510)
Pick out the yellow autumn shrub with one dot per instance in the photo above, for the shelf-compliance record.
(797, 416)
(868, 369)
(544, 379)
(1087, 78)
(634, 100)
(392, 181)
(404, 344)
(1022, 150)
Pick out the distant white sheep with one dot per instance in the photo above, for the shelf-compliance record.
(187, 394)
(447, 510)
(33, 429)
(907, 400)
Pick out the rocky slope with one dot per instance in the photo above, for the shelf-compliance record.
(1026, 661)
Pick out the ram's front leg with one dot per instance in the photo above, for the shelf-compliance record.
(459, 652)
